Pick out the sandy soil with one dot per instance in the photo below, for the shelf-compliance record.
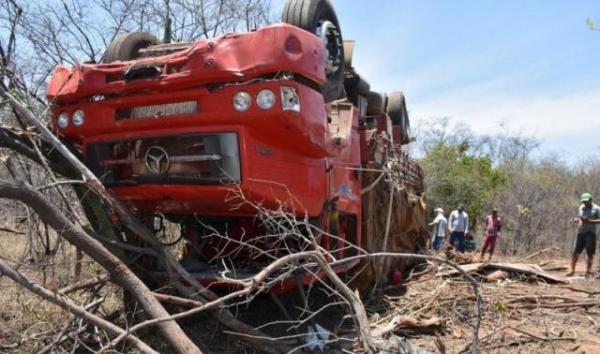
(521, 314)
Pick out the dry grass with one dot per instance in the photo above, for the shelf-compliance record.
(28, 323)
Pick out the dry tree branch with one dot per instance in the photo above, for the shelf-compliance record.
(257, 283)
(66, 304)
(118, 271)
(472, 281)
(386, 235)
(287, 224)
(195, 290)
(11, 230)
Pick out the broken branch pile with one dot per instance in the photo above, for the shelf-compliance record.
(526, 310)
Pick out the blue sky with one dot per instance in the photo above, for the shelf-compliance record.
(532, 65)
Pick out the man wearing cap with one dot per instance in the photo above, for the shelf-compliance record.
(588, 217)
(493, 225)
(458, 223)
(440, 232)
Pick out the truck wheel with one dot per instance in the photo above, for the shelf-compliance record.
(376, 103)
(318, 17)
(127, 46)
(396, 110)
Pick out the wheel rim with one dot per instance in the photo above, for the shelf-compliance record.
(332, 42)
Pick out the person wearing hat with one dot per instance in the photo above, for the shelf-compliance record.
(440, 232)
(493, 226)
(587, 218)
(458, 223)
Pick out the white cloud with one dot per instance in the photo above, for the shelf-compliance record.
(543, 116)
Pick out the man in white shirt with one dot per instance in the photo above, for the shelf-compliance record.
(458, 223)
(440, 232)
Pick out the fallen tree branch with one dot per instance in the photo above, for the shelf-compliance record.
(11, 230)
(118, 271)
(67, 305)
(537, 298)
(474, 284)
(188, 286)
(256, 284)
(84, 284)
(408, 323)
(538, 337)
(176, 300)
(557, 306)
(585, 291)
(549, 249)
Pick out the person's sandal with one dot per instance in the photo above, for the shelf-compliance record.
(570, 274)
(588, 274)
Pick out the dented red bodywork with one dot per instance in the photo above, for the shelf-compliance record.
(298, 158)
(232, 58)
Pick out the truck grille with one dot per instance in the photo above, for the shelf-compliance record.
(182, 159)
(157, 110)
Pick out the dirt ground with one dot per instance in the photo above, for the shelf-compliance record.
(522, 314)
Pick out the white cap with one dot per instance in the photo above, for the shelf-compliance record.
(439, 210)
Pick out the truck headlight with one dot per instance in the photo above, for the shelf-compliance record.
(289, 99)
(63, 120)
(265, 99)
(78, 118)
(242, 101)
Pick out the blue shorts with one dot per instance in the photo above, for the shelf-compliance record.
(587, 241)
(458, 237)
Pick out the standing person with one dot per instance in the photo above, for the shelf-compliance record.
(493, 226)
(440, 232)
(587, 217)
(458, 223)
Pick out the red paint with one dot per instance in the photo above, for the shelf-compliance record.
(285, 157)
(235, 57)
(395, 277)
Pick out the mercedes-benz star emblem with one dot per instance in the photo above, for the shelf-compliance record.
(157, 160)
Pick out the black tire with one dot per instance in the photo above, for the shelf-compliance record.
(310, 15)
(375, 103)
(396, 110)
(356, 85)
(127, 46)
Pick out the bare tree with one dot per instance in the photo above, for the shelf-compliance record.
(42, 34)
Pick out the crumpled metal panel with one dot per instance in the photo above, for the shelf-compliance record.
(237, 57)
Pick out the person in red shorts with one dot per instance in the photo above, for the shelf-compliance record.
(493, 226)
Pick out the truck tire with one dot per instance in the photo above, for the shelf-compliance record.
(396, 110)
(376, 103)
(318, 17)
(127, 46)
(356, 85)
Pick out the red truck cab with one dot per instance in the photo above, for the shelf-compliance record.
(206, 134)
(175, 134)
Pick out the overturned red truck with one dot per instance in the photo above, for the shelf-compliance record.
(278, 113)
